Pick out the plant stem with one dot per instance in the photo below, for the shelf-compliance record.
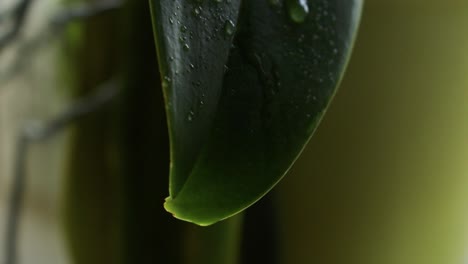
(219, 243)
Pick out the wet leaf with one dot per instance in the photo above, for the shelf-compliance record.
(245, 87)
(192, 49)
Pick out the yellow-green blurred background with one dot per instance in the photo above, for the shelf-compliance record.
(385, 178)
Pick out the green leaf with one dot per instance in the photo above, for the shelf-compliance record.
(192, 53)
(241, 110)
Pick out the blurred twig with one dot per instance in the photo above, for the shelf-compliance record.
(56, 26)
(84, 11)
(18, 16)
(36, 131)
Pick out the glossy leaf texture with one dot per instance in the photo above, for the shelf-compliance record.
(192, 51)
(246, 84)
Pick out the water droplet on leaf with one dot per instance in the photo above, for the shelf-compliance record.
(197, 11)
(190, 116)
(229, 28)
(165, 82)
(298, 10)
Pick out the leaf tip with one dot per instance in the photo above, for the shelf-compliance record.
(177, 213)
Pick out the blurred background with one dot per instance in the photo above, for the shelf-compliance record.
(29, 91)
(384, 180)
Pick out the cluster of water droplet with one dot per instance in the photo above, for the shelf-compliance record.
(315, 56)
(206, 21)
(297, 11)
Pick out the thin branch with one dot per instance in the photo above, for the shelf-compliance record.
(84, 11)
(36, 131)
(18, 15)
(56, 26)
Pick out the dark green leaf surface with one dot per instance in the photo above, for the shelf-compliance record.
(193, 51)
(240, 111)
